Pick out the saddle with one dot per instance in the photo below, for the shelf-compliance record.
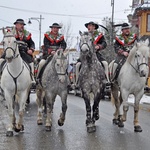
(43, 68)
(117, 71)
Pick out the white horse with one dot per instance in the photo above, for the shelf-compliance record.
(15, 81)
(131, 80)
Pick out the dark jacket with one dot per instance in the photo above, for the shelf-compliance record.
(123, 44)
(99, 40)
(52, 44)
(25, 36)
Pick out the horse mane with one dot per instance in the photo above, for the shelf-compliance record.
(132, 53)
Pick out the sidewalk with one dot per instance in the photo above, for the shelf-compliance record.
(144, 103)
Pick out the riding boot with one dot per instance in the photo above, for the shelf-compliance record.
(1, 66)
(77, 74)
(105, 64)
(32, 72)
(115, 72)
(41, 64)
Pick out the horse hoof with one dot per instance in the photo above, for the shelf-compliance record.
(96, 117)
(28, 101)
(120, 124)
(137, 129)
(60, 123)
(39, 122)
(48, 128)
(91, 129)
(115, 121)
(20, 129)
(9, 133)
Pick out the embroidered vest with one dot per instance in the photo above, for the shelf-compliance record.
(53, 39)
(126, 41)
(24, 35)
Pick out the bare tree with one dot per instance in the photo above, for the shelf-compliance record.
(66, 30)
(109, 53)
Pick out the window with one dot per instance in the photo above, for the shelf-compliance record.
(148, 23)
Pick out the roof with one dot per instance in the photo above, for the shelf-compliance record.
(143, 7)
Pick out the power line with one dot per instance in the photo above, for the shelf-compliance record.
(54, 14)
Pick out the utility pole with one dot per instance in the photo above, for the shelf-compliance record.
(112, 30)
(39, 19)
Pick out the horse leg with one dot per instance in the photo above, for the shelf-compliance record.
(124, 96)
(49, 105)
(28, 98)
(89, 122)
(39, 101)
(137, 127)
(64, 109)
(22, 102)
(10, 105)
(97, 99)
(115, 100)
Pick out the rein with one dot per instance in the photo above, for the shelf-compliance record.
(14, 50)
(84, 44)
(138, 66)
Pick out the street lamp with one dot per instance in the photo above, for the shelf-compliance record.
(39, 19)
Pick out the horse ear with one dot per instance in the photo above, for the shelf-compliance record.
(137, 44)
(147, 42)
(4, 31)
(66, 52)
(80, 33)
(13, 30)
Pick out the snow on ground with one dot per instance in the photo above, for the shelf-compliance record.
(145, 99)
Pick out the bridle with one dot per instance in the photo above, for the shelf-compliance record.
(138, 65)
(14, 50)
(14, 56)
(61, 65)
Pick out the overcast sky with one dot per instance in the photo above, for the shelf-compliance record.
(78, 12)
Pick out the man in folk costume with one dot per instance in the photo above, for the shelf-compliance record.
(100, 44)
(53, 41)
(26, 50)
(123, 44)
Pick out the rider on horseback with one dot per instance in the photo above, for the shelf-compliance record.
(26, 48)
(53, 40)
(124, 42)
(100, 44)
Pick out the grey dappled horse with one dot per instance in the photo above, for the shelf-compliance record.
(54, 82)
(91, 79)
(15, 81)
(131, 80)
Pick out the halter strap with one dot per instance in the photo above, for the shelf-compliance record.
(15, 78)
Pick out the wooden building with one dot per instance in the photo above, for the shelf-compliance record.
(141, 20)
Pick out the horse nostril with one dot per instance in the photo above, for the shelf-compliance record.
(143, 74)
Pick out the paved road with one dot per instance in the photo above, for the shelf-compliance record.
(73, 135)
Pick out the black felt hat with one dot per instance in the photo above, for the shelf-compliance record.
(125, 26)
(93, 23)
(21, 21)
(55, 25)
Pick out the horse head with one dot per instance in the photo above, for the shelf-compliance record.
(10, 44)
(61, 64)
(141, 57)
(86, 43)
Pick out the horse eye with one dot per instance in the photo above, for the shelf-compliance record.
(137, 55)
(57, 64)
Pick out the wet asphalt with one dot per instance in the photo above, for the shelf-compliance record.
(73, 135)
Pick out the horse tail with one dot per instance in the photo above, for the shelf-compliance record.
(112, 99)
